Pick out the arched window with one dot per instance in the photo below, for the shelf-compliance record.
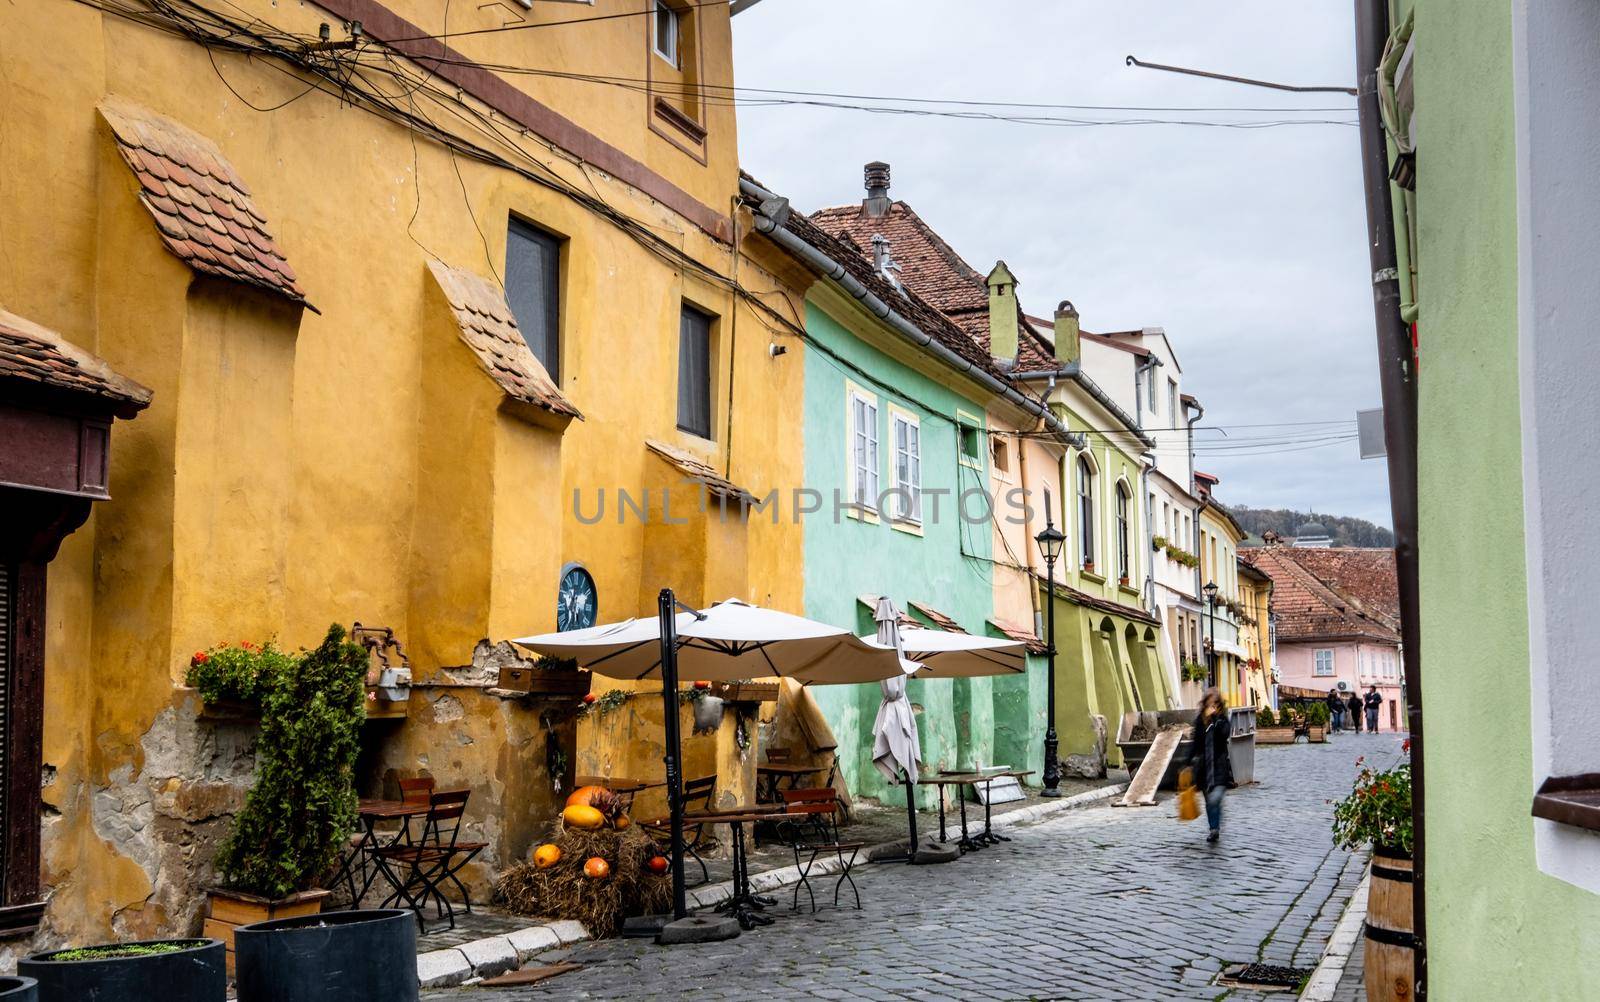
(1085, 512)
(1124, 540)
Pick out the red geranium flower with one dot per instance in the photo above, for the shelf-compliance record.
(200, 658)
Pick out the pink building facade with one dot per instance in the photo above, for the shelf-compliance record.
(1350, 666)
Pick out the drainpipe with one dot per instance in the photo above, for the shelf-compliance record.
(1149, 362)
(1199, 412)
(833, 270)
(1397, 378)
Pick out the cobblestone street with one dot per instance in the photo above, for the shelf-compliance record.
(1098, 904)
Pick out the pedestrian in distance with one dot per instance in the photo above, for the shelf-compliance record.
(1335, 710)
(1354, 706)
(1374, 703)
(1208, 758)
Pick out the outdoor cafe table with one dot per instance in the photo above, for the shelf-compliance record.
(770, 776)
(743, 905)
(967, 842)
(372, 812)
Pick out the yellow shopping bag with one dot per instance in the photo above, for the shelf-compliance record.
(1188, 801)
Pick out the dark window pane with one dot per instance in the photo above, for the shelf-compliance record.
(694, 372)
(533, 288)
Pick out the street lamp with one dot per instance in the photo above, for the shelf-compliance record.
(1211, 615)
(1050, 541)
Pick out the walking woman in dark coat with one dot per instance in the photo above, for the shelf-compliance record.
(1213, 770)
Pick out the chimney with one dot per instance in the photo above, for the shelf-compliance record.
(1066, 333)
(877, 177)
(1002, 314)
(883, 262)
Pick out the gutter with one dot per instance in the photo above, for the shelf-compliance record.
(772, 227)
(1074, 371)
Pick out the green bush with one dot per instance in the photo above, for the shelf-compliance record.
(1317, 714)
(1265, 718)
(303, 805)
(244, 672)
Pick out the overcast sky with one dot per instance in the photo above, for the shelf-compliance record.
(1248, 246)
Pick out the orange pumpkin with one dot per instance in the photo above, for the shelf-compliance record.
(580, 816)
(598, 797)
(622, 822)
(596, 868)
(546, 856)
(656, 864)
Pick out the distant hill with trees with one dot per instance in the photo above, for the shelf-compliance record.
(1342, 529)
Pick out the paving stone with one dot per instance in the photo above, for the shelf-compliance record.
(1092, 903)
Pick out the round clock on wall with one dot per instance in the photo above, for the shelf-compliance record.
(577, 602)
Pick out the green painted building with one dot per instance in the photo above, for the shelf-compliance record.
(1503, 234)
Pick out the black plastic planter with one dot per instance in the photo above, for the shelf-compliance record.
(18, 990)
(333, 957)
(196, 973)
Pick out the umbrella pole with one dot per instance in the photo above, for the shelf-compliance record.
(911, 816)
(671, 739)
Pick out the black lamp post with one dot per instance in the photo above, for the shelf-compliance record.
(1050, 543)
(1211, 615)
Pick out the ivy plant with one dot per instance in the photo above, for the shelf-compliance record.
(302, 808)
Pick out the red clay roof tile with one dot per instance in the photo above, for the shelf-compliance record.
(34, 355)
(193, 194)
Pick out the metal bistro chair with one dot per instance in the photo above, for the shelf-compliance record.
(354, 864)
(437, 856)
(697, 796)
(816, 835)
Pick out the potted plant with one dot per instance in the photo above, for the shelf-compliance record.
(1377, 813)
(1272, 731)
(232, 679)
(360, 954)
(19, 989)
(1317, 722)
(172, 970)
(302, 809)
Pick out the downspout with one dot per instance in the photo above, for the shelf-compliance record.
(1033, 583)
(1397, 378)
(775, 231)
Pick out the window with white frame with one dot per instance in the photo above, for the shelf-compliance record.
(864, 450)
(1124, 534)
(906, 433)
(1172, 402)
(664, 33)
(1085, 512)
(1323, 664)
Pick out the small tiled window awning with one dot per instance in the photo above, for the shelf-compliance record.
(1027, 638)
(201, 207)
(35, 356)
(489, 329)
(937, 618)
(716, 485)
(871, 602)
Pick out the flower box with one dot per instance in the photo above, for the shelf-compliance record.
(1275, 735)
(227, 910)
(747, 692)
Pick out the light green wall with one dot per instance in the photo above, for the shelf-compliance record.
(1497, 927)
(946, 566)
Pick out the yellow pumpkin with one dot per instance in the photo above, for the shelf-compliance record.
(546, 856)
(596, 868)
(580, 816)
(598, 797)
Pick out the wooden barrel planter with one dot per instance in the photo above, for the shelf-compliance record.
(1391, 945)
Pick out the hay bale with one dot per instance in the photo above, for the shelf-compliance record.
(564, 892)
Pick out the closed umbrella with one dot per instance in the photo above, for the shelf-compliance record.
(895, 748)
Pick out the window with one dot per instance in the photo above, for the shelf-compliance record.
(1172, 402)
(864, 451)
(1150, 387)
(694, 372)
(1124, 539)
(1085, 512)
(533, 290)
(906, 502)
(1001, 456)
(664, 33)
(971, 441)
(1324, 664)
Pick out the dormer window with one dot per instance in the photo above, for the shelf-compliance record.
(665, 32)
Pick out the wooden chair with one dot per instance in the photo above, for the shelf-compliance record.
(437, 856)
(697, 796)
(816, 835)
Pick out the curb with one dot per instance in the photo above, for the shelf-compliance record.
(1324, 980)
(484, 958)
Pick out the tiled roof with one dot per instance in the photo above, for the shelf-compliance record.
(1111, 606)
(1027, 638)
(1365, 576)
(932, 268)
(907, 301)
(201, 207)
(1308, 608)
(871, 602)
(31, 355)
(715, 483)
(938, 618)
(489, 329)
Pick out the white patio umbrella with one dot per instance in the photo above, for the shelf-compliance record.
(947, 654)
(727, 642)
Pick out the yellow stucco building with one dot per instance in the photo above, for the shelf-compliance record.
(1256, 634)
(408, 324)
